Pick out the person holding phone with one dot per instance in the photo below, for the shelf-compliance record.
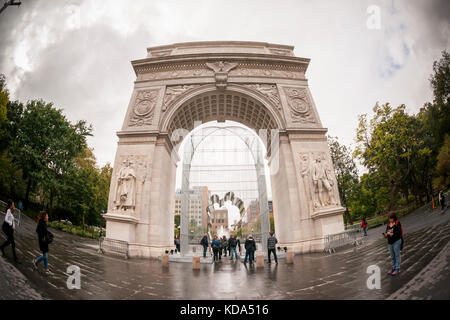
(394, 237)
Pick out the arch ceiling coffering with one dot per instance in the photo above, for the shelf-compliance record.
(221, 106)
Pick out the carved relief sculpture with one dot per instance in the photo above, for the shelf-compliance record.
(125, 187)
(318, 179)
(268, 90)
(299, 105)
(221, 70)
(174, 92)
(142, 113)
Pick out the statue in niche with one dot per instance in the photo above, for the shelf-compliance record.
(323, 182)
(126, 187)
(318, 179)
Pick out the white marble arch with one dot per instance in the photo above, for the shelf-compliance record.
(260, 85)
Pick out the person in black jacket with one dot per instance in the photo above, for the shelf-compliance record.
(250, 248)
(394, 236)
(232, 242)
(204, 242)
(44, 237)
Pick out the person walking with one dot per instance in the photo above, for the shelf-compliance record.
(271, 243)
(224, 243)
(394, 235)
(45, 237)
(204, 242)
(215, 245)
(250, 248)
(8, 228)
(364, 225)
(232, 242)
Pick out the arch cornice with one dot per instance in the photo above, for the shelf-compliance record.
(269, 106)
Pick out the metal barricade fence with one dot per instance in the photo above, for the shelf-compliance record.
(333, 241)
(112, 245)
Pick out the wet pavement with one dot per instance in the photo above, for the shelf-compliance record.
(342, 275)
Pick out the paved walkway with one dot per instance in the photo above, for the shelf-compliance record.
(341, 275)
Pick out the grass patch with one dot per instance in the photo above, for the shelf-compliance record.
(383, 219)
(91, 232)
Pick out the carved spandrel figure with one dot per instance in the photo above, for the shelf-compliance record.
(126, 187)
(323, 183)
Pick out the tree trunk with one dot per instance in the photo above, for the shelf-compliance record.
(27, 195)
(50, 210)
(392, 198)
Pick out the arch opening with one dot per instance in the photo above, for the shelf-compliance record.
(225, 160)
(214, 105)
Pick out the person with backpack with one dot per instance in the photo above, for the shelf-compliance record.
(364, 225)
(271, 243)
(8, 228)
(215, 245)
(232, 242)
(45, 237)
(250, 248)
(394, 235)
(204, 242)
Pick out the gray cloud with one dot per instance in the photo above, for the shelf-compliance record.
(77, 53)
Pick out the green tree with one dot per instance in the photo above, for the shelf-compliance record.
(442, 181)
(84, 192)
(392, 145)
(45, 145)
(346, 173)
(435, 116)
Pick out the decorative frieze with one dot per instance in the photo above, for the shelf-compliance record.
(242, 69)
(299, 105)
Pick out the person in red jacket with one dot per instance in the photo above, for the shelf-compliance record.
(364, 225)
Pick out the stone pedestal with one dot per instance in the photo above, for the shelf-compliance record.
(289, 257)
(195, 263)
(260, 260)
(165, 260)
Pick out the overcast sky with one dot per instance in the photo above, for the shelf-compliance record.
(77, 53)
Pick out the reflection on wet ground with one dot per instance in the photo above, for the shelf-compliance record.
(313, 276)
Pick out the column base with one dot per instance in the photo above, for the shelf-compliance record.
(141, 250)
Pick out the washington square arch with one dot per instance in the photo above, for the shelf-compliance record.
(260, 85)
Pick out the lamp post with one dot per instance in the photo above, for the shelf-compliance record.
(10, 3)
